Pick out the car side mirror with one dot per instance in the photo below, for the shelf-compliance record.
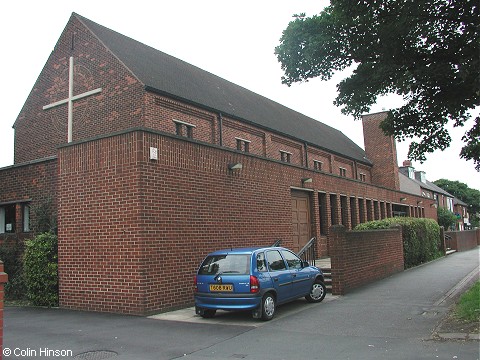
(305, 264)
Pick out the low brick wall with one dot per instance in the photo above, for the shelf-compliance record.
(361, 257)
(464, 240)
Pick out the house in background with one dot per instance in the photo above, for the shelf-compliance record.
(461, 212)
(416, 183)
(151, 162)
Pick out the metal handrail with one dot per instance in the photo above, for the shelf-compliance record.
(308, 253)
(277, 243)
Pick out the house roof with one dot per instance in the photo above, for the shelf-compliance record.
(414, 186)
(165, 74)
(457, 201)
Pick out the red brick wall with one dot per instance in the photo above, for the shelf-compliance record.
(382, 151)
(464, 240)
(362, 257)
(132, 231)
(96, 115)
(100, 226)
(33, 184)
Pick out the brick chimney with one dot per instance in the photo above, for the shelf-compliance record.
(381, 150)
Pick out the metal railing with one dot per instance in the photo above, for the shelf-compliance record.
(308, 252)
(277, 243)
(448, 242)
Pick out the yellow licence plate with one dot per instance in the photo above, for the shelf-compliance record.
(221, 287)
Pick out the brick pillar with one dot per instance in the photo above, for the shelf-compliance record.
(3, 280)
(337, 246)
(443, 245)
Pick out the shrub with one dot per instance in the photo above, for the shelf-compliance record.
(421, 238)
(446, 218)
(41, 270)
(11, 255)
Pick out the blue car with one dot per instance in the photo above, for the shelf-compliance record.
(255, 279)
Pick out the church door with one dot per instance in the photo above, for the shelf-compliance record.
(301, 223)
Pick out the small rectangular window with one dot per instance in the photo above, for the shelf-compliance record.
(7, 219)
(26, 218)
(184, 129)
(285, 156)
(363, 177)
(317, 165)
(343, 172)
(243, 145)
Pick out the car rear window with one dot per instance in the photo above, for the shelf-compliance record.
(225, 264)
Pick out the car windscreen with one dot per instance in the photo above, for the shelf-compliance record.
(226, 264)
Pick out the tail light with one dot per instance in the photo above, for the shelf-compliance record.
(254, 284)
(195, 283)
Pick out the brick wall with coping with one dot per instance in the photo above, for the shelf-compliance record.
(464, 240)
(361, 257)
(146, 224)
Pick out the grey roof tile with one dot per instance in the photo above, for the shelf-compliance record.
(165, 74)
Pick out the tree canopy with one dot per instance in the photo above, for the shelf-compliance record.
(427, 51)
(461, 191)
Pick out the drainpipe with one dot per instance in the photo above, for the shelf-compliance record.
(220, 125)
(306, 154)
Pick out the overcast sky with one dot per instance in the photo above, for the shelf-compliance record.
(234, 40)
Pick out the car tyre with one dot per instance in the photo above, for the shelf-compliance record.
(208, 313)
(268, 307)
(317, 292)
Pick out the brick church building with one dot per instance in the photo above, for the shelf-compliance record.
(151, 163)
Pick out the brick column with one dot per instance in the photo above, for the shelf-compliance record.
(3, 280)
(337, 246)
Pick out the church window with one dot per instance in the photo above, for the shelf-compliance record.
(7, 219)
(243, 145)
(317, 165)
(26, 218)
(184, 129)
(285, 156)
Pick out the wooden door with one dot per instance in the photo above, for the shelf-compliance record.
(301, 224)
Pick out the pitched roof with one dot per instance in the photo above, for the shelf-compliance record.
(165, 74)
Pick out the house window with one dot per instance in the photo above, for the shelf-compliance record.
(7, 219)
(26, 218)
(363, 177)
(184, 129)
(343, 172)
(317, 165)
(243, 145)
(285, 156)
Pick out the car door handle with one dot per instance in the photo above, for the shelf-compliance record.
(294, 275)
(275, 279)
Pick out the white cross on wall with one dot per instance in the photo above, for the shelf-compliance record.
(71, 99)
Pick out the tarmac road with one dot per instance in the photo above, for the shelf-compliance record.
(391, 319)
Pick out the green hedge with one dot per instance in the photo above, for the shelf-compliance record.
(11, 253)
(41, 270)
(421, 238)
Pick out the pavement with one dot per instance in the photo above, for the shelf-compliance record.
(398, 317)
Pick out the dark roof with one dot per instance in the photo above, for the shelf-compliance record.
(165, 74)
(438, 189)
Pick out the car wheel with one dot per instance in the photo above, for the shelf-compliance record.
(317, 292)
(208, 314)
(268, 307)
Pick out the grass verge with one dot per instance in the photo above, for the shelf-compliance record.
(468, 307)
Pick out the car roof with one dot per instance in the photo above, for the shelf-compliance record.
(246, 250)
